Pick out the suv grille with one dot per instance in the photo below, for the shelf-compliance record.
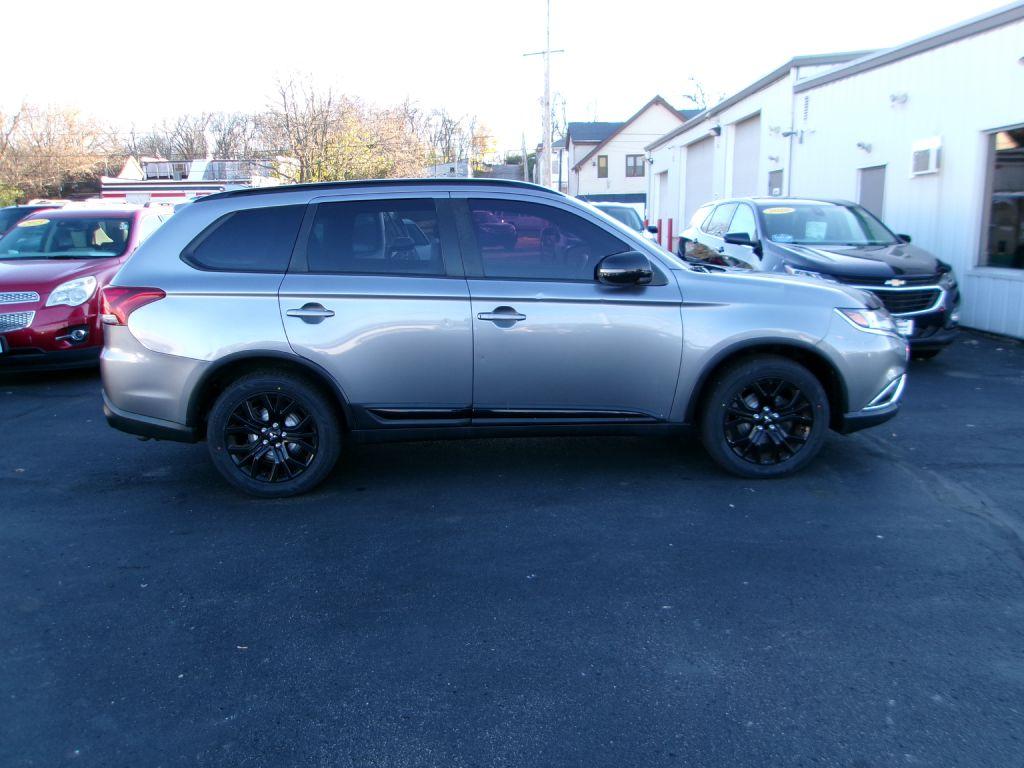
(18, 297)
(901, 302)
(15, 321)
(907, 280)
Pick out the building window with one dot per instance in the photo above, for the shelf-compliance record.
(602, 166)
(634, 165)
(1004, 240)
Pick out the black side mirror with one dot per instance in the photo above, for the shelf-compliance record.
(652, 228)
(629, 268)
(739, 238)
(903, 238)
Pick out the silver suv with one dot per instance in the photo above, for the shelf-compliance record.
(279, 323)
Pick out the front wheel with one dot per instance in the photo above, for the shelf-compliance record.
(271, 434)
(764, 417)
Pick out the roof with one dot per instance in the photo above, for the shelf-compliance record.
(326, 186)
(657, 100)
(987, 21)
(776, 74)
(590, 133)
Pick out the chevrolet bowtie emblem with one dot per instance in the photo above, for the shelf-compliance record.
(895, 282)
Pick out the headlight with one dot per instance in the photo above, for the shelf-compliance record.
(73, 293)
(869, 320)
(808, 273)
(947, 281)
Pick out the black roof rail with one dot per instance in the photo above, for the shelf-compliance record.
(417, 182)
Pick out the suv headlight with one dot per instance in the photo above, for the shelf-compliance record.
(869, 320)
(947, 281)
(790, 270)
(73, 293)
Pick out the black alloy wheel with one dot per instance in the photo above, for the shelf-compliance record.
(271, 437)
(764, 416)
(769, 421)
(274, 433)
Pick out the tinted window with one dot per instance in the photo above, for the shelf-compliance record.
(538, 242)
(718, 224)
(9, 217)
(256, 240)
(376, 237)
(744, 222)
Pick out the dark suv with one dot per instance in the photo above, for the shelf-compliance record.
(836, 241)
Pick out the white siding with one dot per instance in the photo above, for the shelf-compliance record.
(959, 92)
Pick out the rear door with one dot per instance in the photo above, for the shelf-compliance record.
(551, 343)
(376, 296)
(741, 256)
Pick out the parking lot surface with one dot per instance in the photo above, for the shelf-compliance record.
(562, 602)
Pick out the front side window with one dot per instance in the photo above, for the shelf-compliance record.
(823, 224)
(531, 241)
(254, 240)
(634, 165)
(624, 215)
(602, 166)
(743, 222)
(78, 237)
(376, 237)
(718, 224)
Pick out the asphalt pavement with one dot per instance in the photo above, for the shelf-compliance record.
(565, 602)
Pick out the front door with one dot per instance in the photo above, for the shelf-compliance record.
(551, 343)
(375, 296)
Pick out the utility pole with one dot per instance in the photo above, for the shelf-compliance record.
(545, 155)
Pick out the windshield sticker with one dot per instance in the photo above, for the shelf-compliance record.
(774, 211)
(782, 237)
(33, 222)
(816, 230)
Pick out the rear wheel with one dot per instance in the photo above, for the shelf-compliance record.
(273, 434)
(764, 417)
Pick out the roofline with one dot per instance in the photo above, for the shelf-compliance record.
(656, 100)
(994, 19)
(372, 183)
(776, 74)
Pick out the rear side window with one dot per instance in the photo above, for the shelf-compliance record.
(718, 224)
(700, 216)
(376, 237)
(255, 240)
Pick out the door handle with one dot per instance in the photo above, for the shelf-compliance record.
(502, 315)
(311, 313)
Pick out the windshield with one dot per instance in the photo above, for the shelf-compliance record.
(82, 237)
(627, 216)
(823, 224)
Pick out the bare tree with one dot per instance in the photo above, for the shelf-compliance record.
(697, 95)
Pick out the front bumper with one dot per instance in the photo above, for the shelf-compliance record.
(55, 337)
(883, 407)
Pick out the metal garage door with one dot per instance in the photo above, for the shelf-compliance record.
(700, 158)
(746, 154)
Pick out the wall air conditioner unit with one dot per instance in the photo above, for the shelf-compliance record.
(926, 156)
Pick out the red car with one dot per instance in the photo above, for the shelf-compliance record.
(53, 265)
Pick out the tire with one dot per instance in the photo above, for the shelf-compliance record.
(734, 415)
(253, 412)
(924, 354)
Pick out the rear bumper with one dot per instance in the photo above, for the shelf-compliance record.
(146, 426)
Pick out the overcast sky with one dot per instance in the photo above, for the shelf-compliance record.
(139, 62)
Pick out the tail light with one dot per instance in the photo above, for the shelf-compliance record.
(119, 302)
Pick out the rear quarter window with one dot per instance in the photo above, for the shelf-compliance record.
(253, 240)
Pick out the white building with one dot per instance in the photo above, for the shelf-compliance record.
(928, 134)
(607, 161)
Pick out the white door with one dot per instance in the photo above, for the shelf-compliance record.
(746, 154)
(700, 157)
